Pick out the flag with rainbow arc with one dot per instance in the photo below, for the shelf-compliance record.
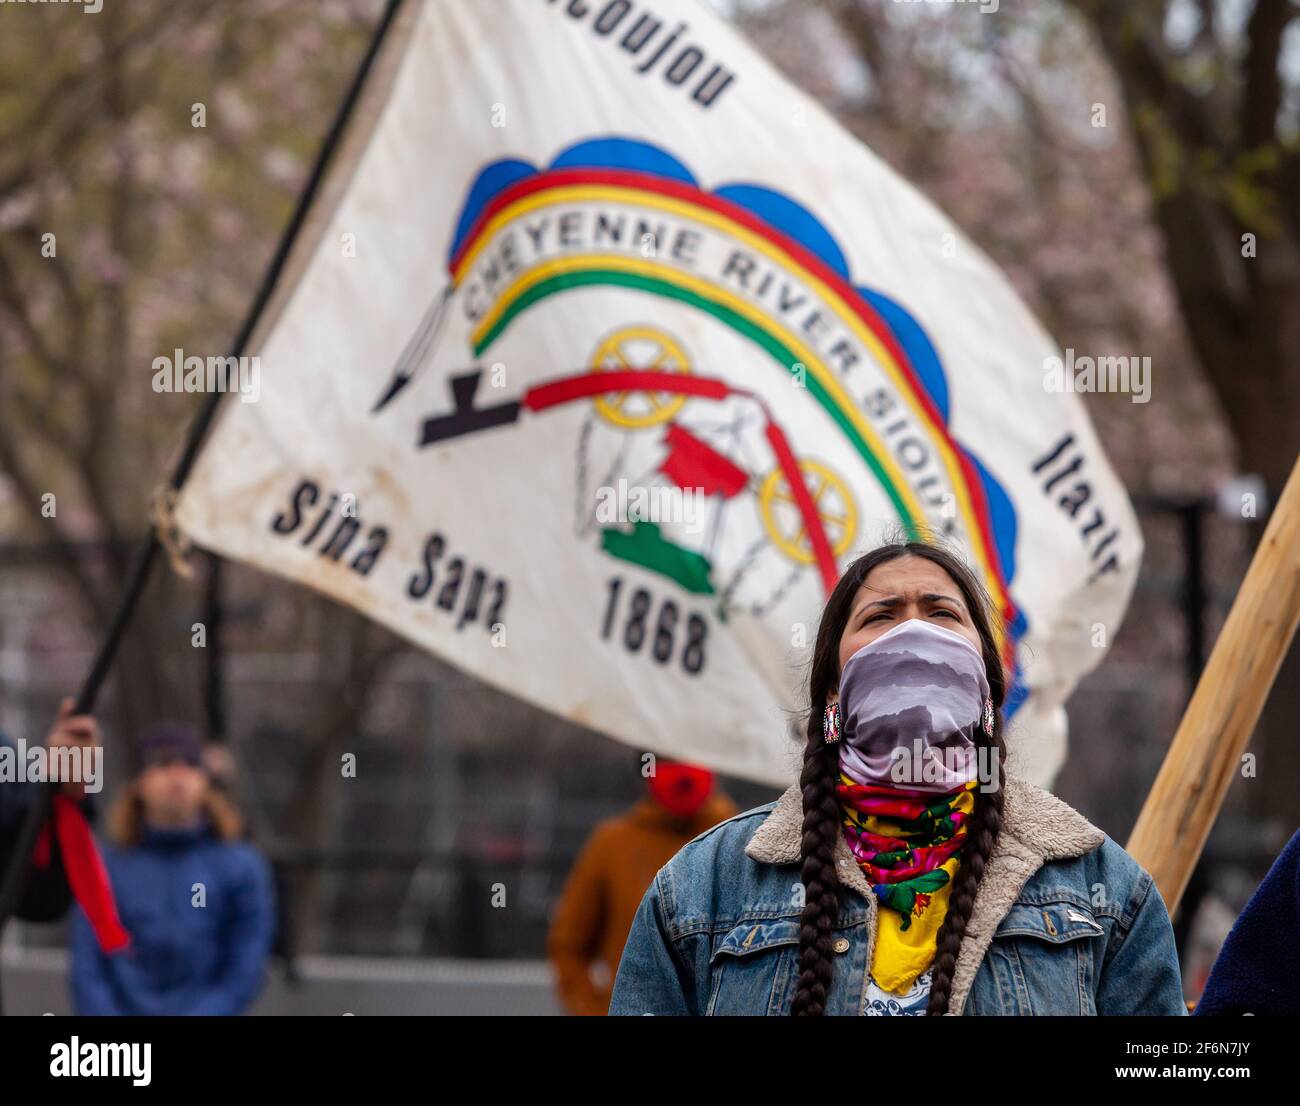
(608, 350)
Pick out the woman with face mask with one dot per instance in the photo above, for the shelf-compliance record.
(907, 872)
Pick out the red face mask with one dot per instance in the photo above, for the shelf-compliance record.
(680, 788)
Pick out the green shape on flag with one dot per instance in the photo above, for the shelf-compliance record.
(646, 547)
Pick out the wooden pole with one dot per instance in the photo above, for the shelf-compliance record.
(1206, 751)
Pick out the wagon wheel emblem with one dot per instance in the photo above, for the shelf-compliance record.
(785, 525)
(639, 348)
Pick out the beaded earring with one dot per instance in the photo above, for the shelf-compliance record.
(831, 723)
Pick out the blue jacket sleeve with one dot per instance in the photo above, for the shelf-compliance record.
(250, 931)
(92, 989)
(1141, 975)
(652, 977)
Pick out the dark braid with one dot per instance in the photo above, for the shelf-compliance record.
(981, 835)
(821, 828)
(821, 809)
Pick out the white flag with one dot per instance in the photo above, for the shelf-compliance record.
(605, 350)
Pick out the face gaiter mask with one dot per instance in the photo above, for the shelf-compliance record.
(909, 705)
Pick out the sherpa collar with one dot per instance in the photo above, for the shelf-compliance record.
(1036, 827)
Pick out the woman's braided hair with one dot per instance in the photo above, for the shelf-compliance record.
(821, 809)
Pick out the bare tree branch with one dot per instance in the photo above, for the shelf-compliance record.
(1263, 92)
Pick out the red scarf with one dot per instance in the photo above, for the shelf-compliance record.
(85, 871)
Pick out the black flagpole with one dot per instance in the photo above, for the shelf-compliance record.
(16, 876)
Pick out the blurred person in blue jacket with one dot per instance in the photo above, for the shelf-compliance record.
(196, 900)
(1257, 970)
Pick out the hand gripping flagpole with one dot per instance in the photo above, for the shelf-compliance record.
(138, 576)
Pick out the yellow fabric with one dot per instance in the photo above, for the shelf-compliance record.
(900, 956)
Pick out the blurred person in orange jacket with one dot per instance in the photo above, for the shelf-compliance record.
(594, 915)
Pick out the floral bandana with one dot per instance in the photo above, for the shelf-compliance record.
(917, 686)
(908, 845)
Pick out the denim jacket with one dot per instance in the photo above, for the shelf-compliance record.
(1064, 922)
